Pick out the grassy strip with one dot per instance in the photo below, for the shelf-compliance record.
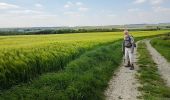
(162, 45)
(154, 87)
(83, 79)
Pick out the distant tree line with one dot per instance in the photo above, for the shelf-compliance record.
(67, 31)
(62, 31)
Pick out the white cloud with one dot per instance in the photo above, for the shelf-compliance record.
(133, 9)
(156, 2)
(83, 9)
(69, 13)
(68, 4)
(152, 2)
(112, 15)
(7, 6)
(161, 9)
(139, 1)
(30, 21)
(38, 5)
(75, 9)
(73, 14)
(79, 3)
(25, 12)
(76, 5)
(155, 15)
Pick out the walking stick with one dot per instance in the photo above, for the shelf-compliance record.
(123, 51)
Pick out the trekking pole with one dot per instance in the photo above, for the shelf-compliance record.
(124, 59)
(123, 51)
(123, 56)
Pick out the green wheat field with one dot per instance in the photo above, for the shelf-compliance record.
(60, 66)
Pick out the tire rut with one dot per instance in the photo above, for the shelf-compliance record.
(162, 63)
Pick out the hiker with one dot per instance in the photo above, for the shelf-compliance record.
(128, 49)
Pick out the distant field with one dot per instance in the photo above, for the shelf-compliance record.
(32, 41)
(24, 57)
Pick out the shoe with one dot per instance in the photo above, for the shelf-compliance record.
(128, 65)
(132, 67)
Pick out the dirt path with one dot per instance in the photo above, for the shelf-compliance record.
(124, 85)
(163, 64)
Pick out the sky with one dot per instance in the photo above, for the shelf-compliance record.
(54, 13)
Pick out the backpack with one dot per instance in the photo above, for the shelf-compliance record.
(127, 42)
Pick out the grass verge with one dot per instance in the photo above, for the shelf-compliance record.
(83, 79)
(154, 87)
(162, 45)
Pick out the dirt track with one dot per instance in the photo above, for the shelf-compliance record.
(162, 63)
(124, 85)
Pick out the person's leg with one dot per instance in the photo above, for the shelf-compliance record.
(131, 57)
(127, 59)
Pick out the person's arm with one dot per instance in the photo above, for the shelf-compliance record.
(123, 47)
(133, 43)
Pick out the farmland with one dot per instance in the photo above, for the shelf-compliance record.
(69, 66)
(24, 57)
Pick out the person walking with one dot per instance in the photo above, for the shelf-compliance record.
(128, 46)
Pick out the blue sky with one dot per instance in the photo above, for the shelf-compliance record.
(33, 13)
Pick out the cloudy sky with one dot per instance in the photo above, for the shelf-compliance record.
(33, 13)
